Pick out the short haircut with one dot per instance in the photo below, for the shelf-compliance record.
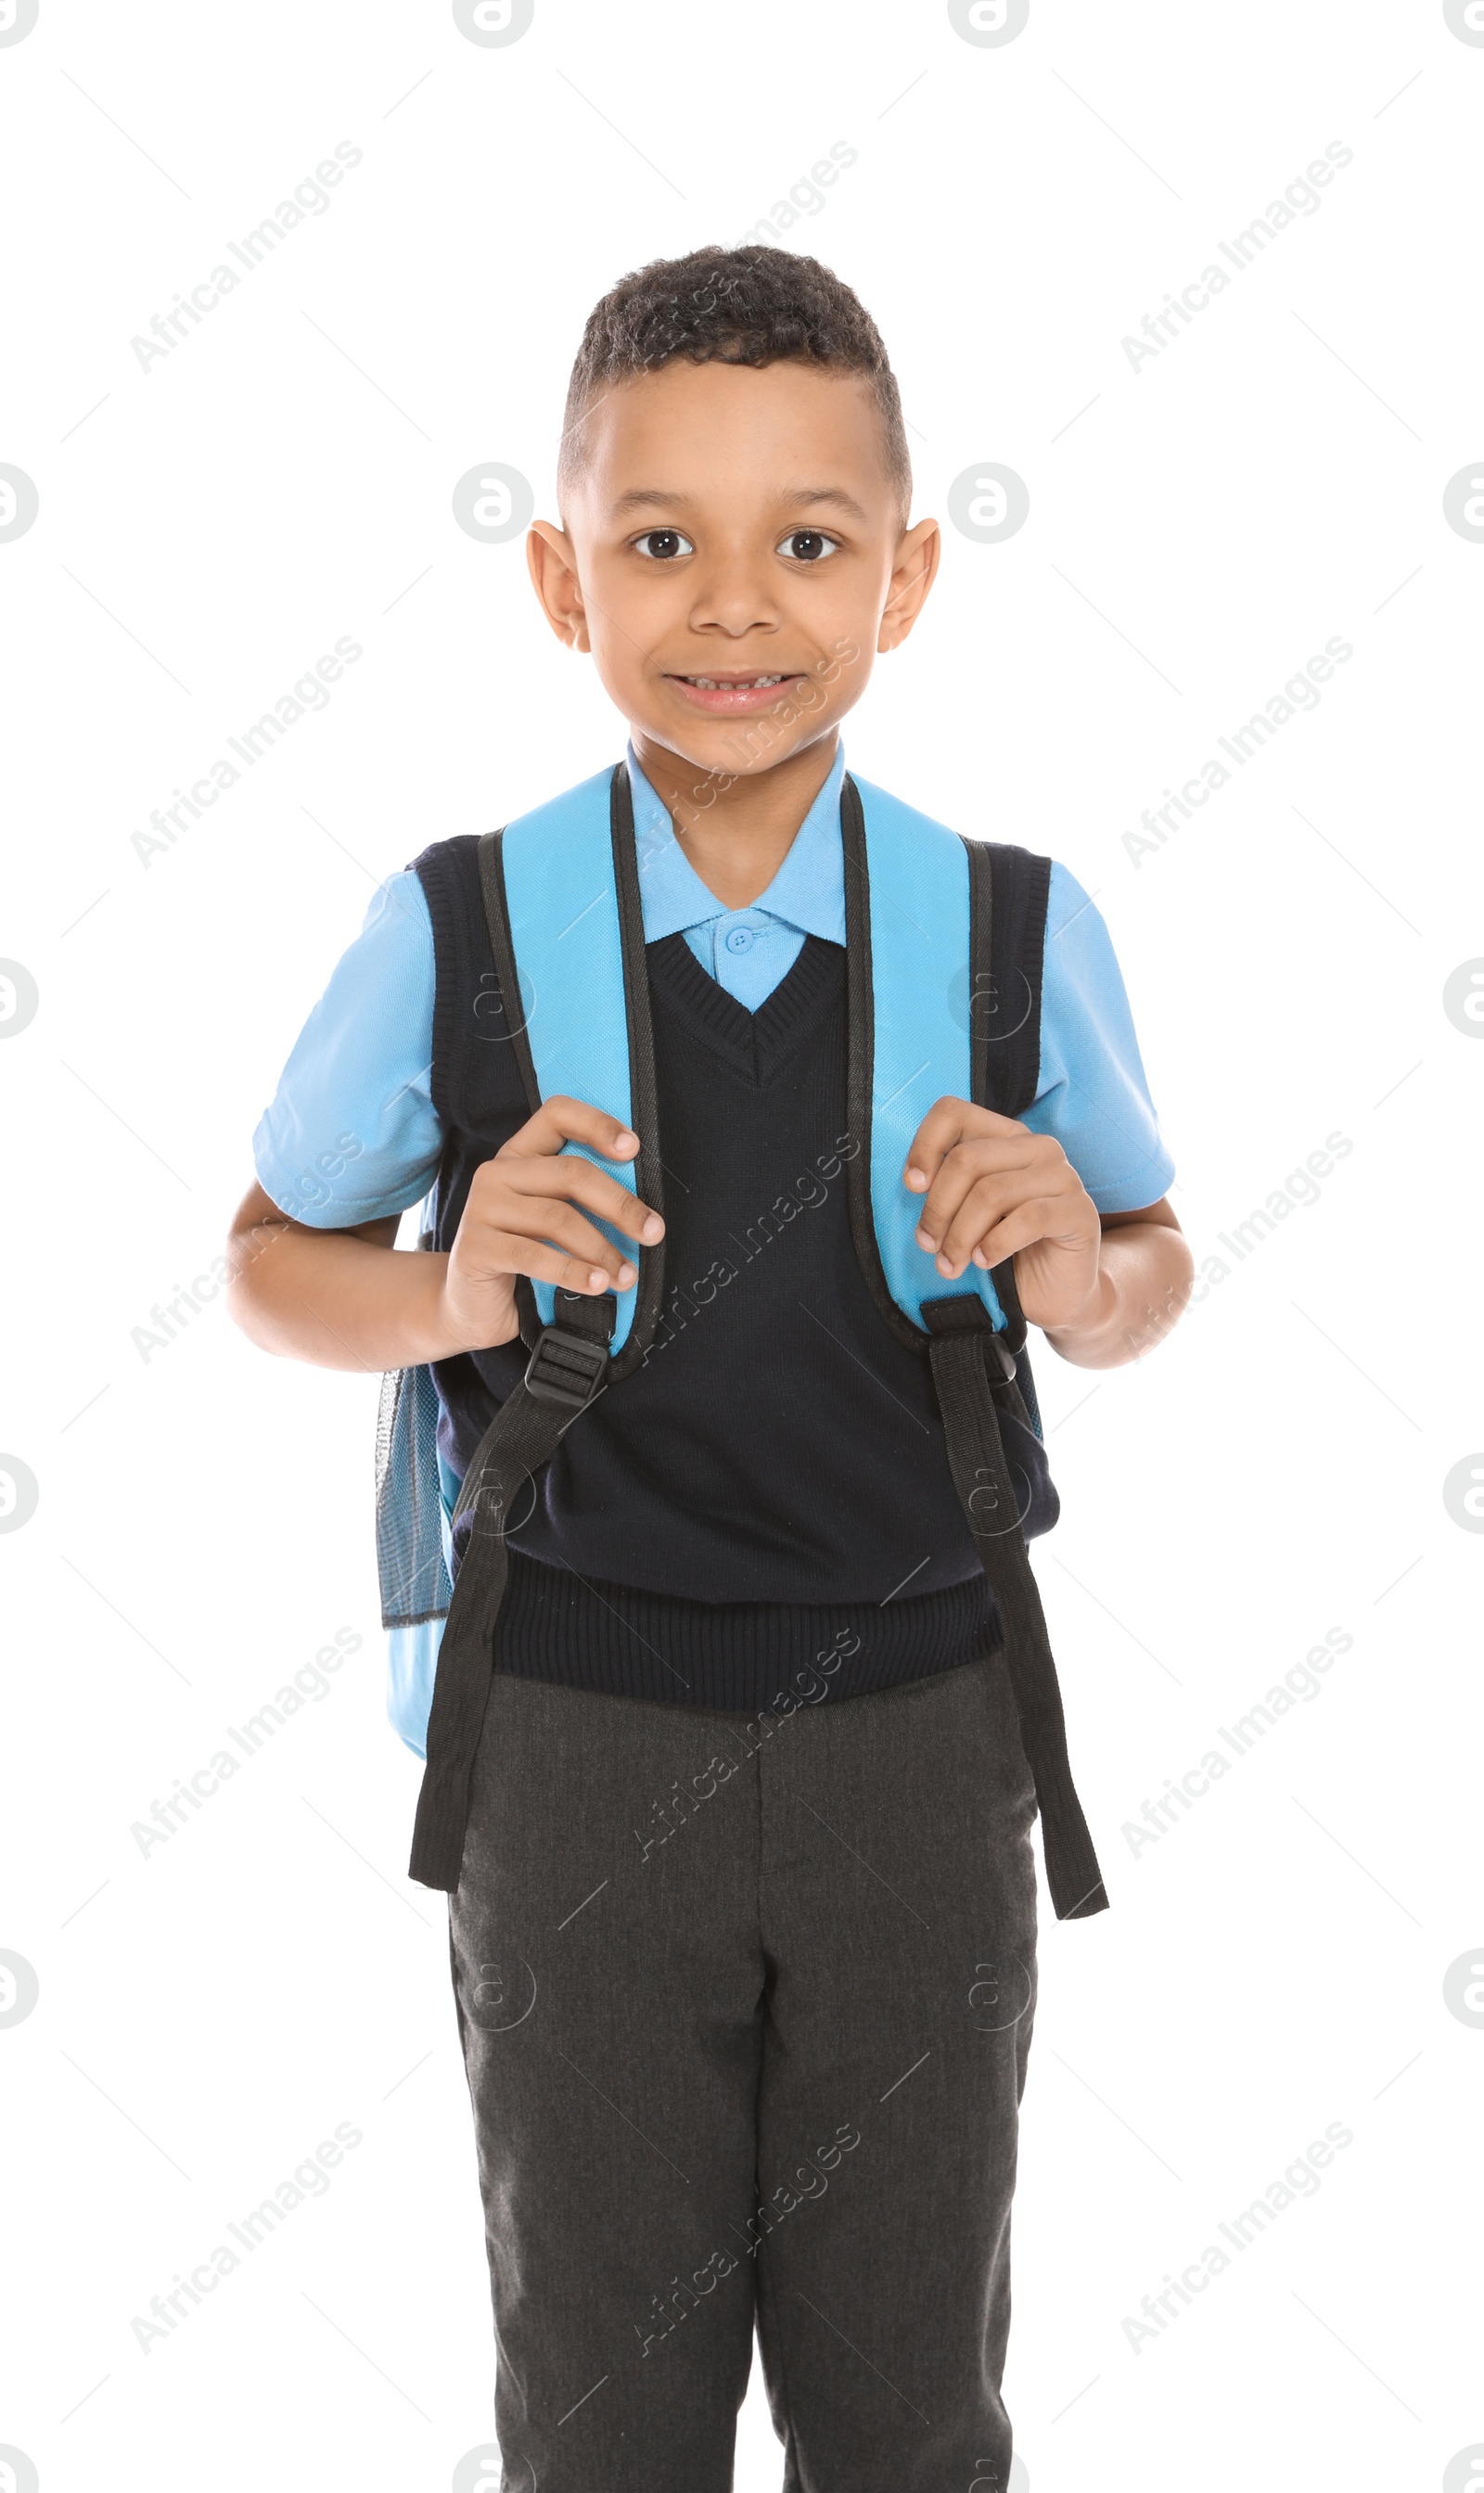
(752, 306)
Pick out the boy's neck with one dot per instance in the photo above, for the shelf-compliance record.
(736, 835)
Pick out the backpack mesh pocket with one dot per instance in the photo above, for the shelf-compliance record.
(410, 1517)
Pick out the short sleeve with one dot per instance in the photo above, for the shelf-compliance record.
(351, 1134)
(1091, 1092)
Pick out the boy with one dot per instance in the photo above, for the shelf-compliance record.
(730, 1598)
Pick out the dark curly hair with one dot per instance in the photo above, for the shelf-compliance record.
(750, 306)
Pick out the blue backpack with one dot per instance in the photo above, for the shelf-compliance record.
(943, 985)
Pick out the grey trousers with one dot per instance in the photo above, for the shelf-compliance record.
(746, 2003)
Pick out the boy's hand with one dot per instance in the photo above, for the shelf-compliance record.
(521, 1216)
(993, 1189)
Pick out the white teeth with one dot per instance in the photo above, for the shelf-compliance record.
(749, 683)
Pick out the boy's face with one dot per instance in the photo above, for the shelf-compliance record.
(733, 557)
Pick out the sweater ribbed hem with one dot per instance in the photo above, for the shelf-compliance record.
(732, 1657)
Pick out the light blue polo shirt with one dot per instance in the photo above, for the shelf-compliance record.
(351, 1134)
(746, 951)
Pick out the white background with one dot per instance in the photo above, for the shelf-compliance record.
(1275, 1961)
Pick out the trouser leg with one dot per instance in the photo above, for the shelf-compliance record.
(609, 1989)
(898, 1902)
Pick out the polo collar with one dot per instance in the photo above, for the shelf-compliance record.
(808, 891)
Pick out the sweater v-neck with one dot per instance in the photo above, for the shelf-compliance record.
(755, 1046)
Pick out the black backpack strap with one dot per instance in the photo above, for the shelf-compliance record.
(974, 1368)
(961, 1343)
(980, 1375)
(569, 1369)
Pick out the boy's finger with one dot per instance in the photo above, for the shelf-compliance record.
(542, 1263)
(550, 1220)
(948, 1122)
(560, 1120)
(1003, 1160)
(990, 1213)
(569, 1174)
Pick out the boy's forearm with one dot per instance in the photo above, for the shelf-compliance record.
(1144, 1275)
(335, 1297)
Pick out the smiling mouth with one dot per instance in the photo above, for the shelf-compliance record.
(732, 684)
(735, 696)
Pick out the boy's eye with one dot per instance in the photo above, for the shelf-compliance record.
(662, 545)
(807, 545)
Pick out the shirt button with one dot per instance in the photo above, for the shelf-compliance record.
(739, 939)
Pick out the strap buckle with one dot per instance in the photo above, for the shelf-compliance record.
(967, 1312)
(998, 1353)
(566, 1367)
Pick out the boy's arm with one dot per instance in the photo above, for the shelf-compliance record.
(1105, 1288)
(333, 1297)
(339, 1298)
(1144, 1274)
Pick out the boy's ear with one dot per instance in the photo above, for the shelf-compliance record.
(917, 554)
(553, 566)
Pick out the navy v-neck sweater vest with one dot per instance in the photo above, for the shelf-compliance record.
(772, 1484)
